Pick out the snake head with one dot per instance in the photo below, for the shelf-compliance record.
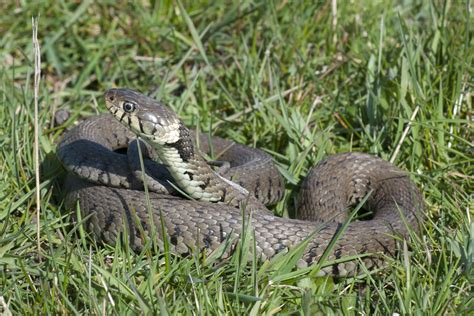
(145, 116)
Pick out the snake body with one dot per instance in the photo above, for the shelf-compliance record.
(108, 186)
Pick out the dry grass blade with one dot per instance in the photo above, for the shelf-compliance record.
(37, 58)
(404, 135)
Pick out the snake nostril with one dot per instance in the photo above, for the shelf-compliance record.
(111, 98)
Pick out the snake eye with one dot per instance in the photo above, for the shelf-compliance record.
(128, 107)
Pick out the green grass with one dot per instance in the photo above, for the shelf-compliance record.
(282, 76)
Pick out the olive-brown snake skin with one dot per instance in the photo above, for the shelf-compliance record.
(108, 187)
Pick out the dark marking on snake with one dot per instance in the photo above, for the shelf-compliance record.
(190, 175)
(269, 193)
(207, 238)
(205, 184)
(180, 147)
(123, 115)
(257, 188)
(222, 233)
(184, 145)
(335, 269)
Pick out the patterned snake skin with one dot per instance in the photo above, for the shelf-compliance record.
(108, 186)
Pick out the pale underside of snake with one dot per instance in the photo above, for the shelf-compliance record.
(109, 188)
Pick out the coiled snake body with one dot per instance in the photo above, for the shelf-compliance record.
(107, 186)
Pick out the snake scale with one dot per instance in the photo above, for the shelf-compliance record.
(214, 205)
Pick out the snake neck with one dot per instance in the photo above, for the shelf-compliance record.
(194, 176)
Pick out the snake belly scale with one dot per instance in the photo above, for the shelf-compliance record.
(108, 188)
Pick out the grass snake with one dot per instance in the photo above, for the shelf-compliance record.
(214, 204)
